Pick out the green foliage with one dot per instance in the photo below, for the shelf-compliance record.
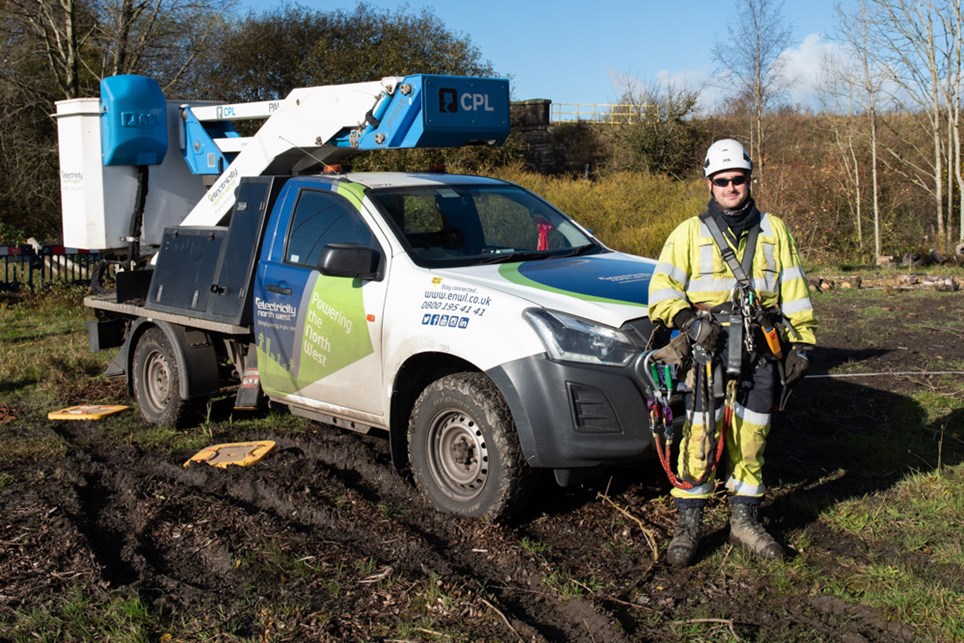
(11, 235)
(663, 138)
(311, 48)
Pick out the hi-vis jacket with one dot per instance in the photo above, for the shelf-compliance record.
(691, 271)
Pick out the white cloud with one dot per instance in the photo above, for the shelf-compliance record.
(803, 69)
(709, 94)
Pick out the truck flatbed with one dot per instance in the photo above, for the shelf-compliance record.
(108, 302)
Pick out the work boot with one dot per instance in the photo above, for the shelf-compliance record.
(686, 537)
(747, 532)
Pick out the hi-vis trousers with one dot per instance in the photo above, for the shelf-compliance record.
(745, 439)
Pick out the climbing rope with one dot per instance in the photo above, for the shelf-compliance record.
(661, 418)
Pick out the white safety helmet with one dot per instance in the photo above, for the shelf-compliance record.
(726, 154)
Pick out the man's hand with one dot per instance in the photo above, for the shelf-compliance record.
(797, 363)
(701, 329)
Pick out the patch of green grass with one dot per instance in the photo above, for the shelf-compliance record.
(534, 546)
(922, 513)
(164, 438)
(32, 448)
(86, 614)
(917, 558)
(936, 611)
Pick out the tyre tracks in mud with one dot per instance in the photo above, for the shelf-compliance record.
(176, 536)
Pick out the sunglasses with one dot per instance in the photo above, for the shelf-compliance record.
(736, 180)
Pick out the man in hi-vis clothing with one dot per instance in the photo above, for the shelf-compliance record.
(694, 289)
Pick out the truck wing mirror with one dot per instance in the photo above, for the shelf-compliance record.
(349, 260)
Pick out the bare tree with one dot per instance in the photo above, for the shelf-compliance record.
(956, 30)
(60, 49)
(81, 41)
(52, 30)
(918, 42)
(751, 54)
(161, 37)
(856, 81)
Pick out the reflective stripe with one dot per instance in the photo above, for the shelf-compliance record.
(797, 306)
(794, 272)
(712, 284)
(766, 224)
(771, 263)
(751, 417)
(656, 296)
(740, 488)
(704, 490)
(767, 283)
(676, 274)
(707, 252)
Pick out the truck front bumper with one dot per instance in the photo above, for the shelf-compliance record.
(574, 415)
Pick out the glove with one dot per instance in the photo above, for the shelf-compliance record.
(797, 363)
(702, 329)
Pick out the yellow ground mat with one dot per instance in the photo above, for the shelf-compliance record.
(239, 453)
(86, 412)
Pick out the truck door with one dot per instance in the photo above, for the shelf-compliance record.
(318, 336)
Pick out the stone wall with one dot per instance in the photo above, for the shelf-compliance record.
(555, 148)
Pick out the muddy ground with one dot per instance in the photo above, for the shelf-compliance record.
(324, 540)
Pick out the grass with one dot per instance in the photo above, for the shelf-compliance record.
(903, 552)
(87, 613)
(922, 513)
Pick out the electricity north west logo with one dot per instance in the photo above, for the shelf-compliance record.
(448, 101)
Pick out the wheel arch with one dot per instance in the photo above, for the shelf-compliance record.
(194, 350)
(417, 372)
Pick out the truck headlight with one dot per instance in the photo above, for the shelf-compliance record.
(573, 339)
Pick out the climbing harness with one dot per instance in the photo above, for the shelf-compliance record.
(746, 311)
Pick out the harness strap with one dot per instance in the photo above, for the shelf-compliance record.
(739, 269)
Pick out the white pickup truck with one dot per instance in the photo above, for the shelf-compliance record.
(482, 329)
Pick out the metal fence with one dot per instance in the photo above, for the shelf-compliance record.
(26, 267)
(607, 113)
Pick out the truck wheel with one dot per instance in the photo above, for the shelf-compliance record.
(463, 448)
(157, 381)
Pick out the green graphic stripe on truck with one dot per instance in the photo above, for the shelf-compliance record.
(354, 192)
(332, 330)
(636, 294)
(335, 330)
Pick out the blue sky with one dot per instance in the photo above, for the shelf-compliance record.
(589, 52)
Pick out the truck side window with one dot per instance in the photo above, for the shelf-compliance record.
(321, 218)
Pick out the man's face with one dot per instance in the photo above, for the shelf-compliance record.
(726, 191)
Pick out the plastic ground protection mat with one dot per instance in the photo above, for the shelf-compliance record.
(237, 453)
(86, 412)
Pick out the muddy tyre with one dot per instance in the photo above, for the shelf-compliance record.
(157, 381)
(463, 448)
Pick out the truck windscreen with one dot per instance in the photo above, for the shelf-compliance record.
(461, 225)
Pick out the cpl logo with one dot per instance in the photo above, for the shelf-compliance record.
(449, 101)
(138, 119)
